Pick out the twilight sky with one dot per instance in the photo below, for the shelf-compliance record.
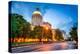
(58, 15)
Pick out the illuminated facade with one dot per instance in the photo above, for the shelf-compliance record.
(54, 34)
(47, 24)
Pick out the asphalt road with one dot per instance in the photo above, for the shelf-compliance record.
(45, 47)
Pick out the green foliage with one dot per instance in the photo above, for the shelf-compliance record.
(19, 26)
(59, 35)
(38, 31)
(73, 33)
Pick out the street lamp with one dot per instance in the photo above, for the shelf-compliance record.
(46, 28)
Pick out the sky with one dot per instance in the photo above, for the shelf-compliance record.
(58, 15)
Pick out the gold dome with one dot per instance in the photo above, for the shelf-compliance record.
(36, 12)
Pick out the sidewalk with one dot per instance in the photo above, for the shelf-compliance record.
(19, 45)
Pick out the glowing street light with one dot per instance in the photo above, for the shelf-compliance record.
(46, 28)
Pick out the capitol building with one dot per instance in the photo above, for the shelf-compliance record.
(37, 20)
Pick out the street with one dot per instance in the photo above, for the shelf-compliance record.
(45, 47)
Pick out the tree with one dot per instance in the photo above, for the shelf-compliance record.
(26, 29)
(58, 35)
(14, 26)
(38, 32)
(19, 26)
(48, 34)
(73, 34)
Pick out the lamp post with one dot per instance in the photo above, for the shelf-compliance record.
(42, 35)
